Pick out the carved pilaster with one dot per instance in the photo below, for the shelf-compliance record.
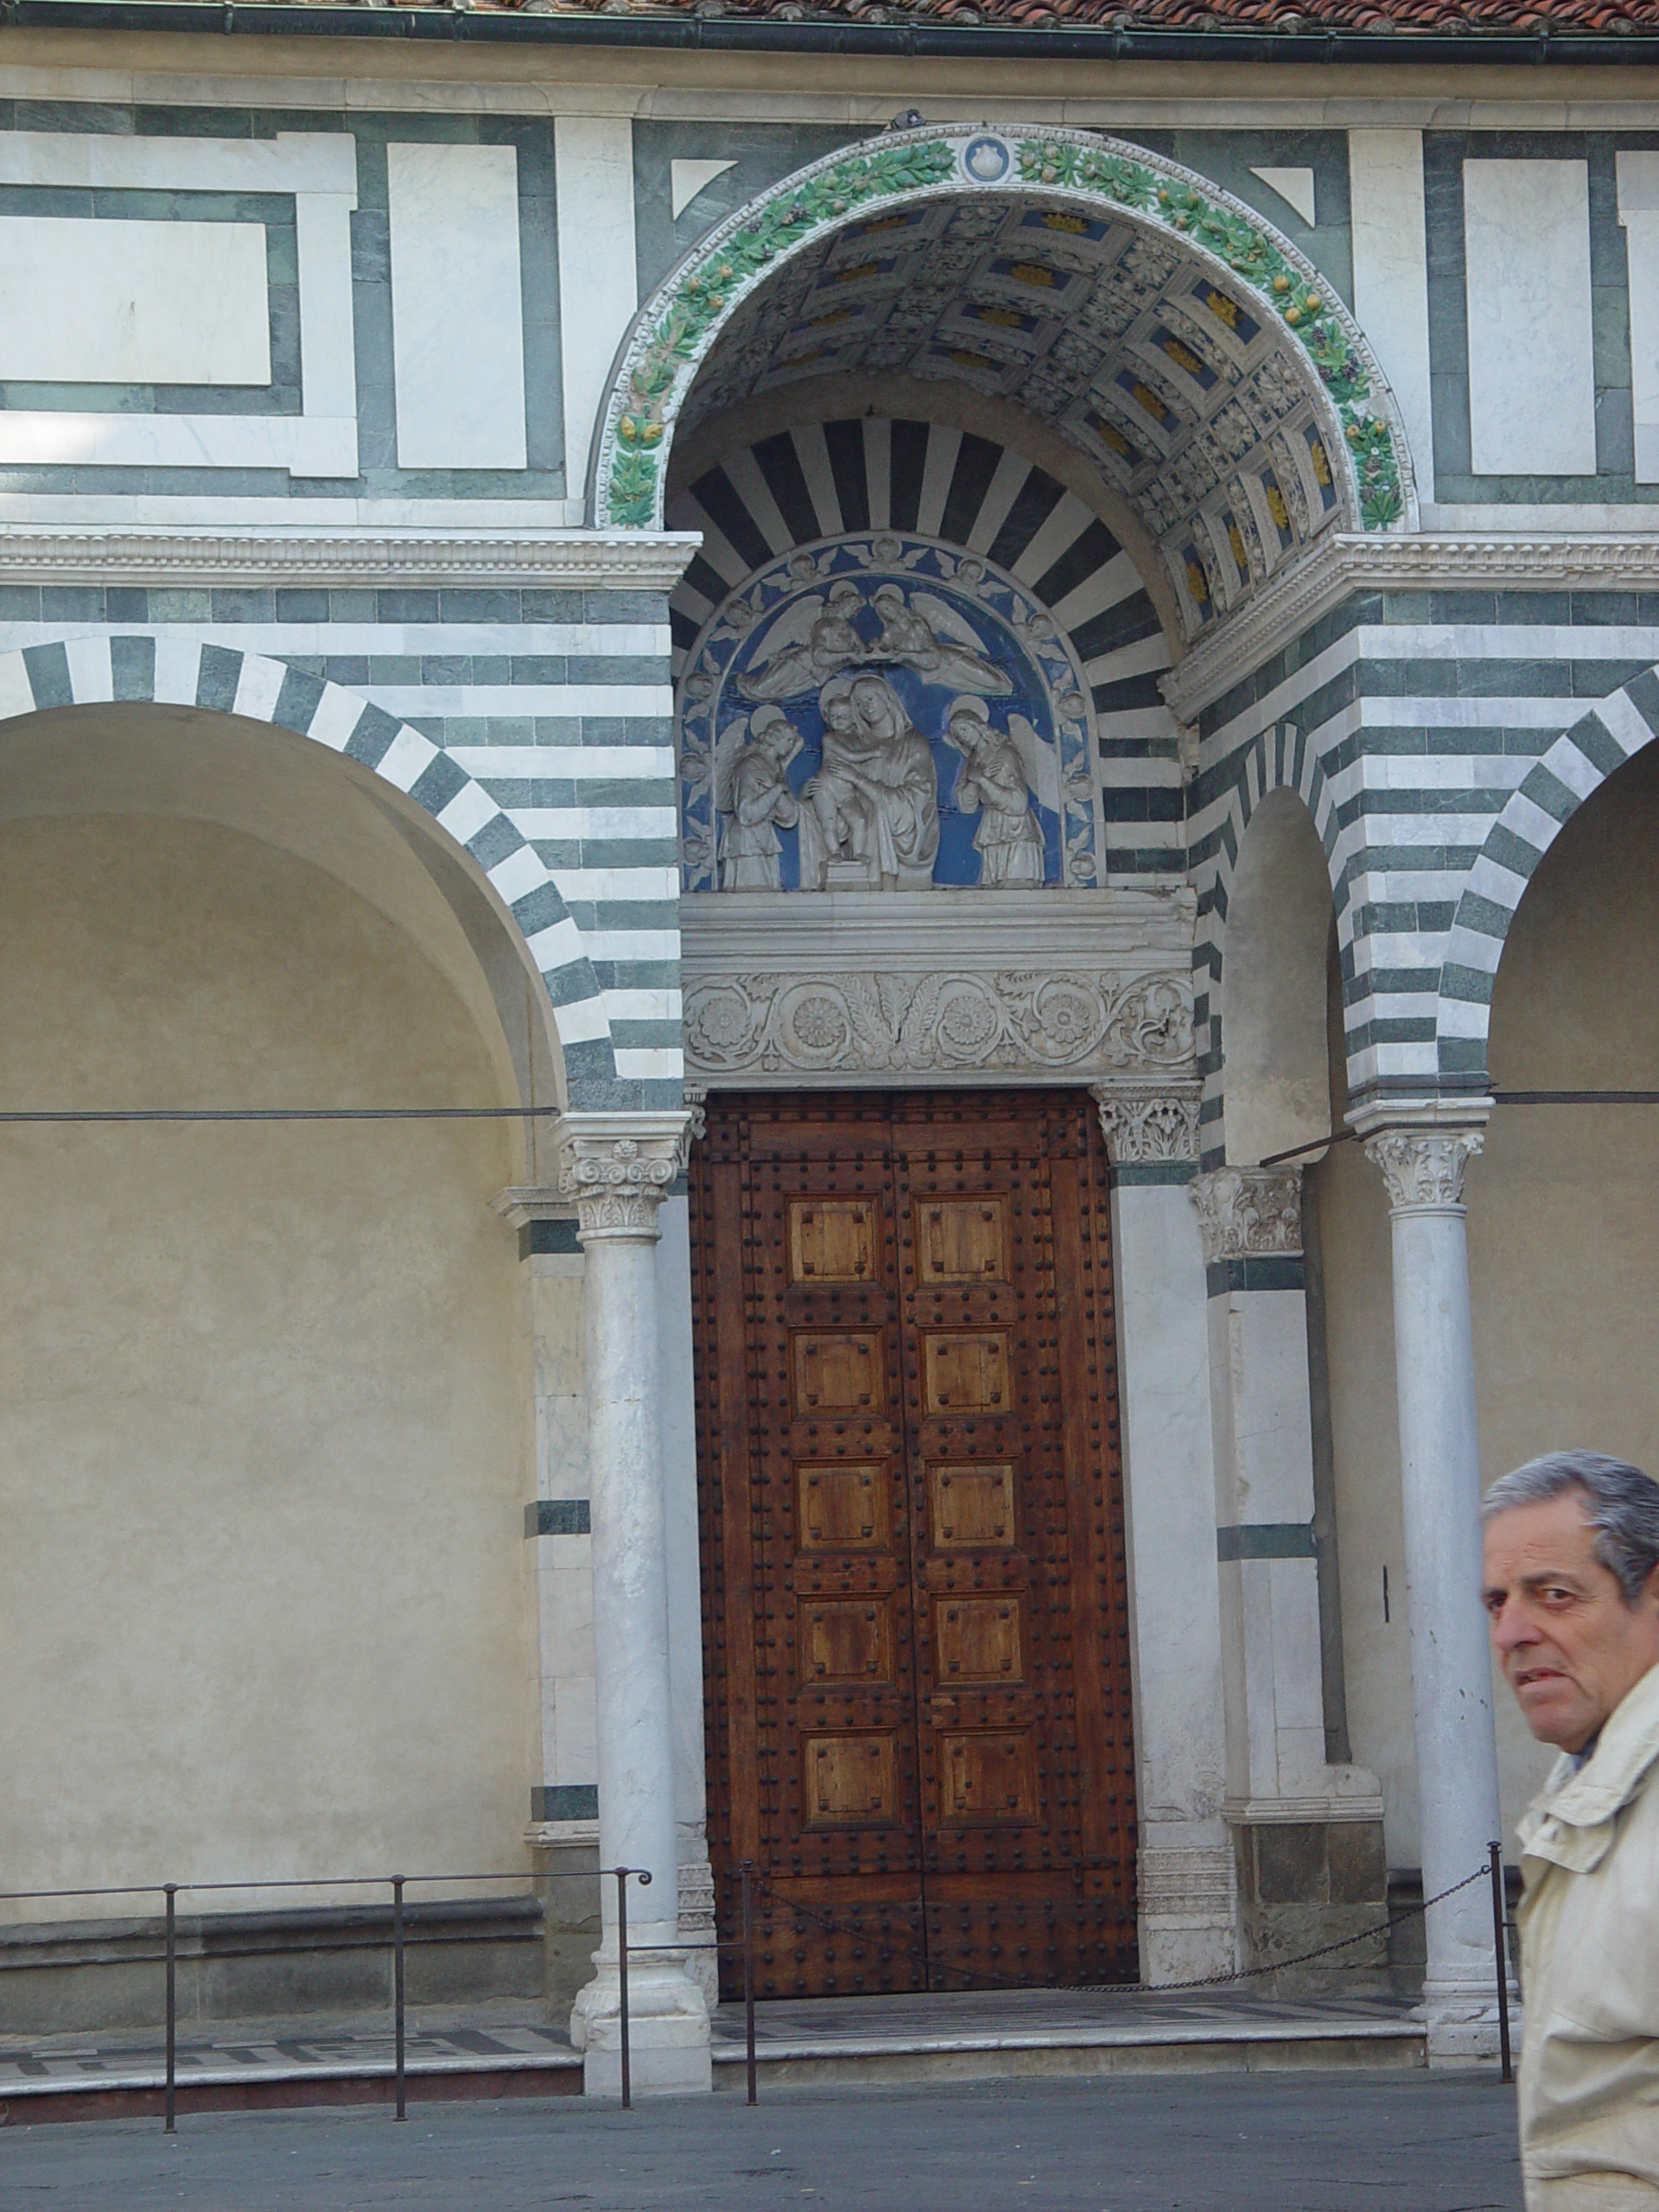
(1245, 1213)
(618, 1169)
(1147, 1125)
(1424, 1168)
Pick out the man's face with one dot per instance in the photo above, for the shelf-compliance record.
(1570, 1646)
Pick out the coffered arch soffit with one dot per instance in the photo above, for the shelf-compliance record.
(1196, 359)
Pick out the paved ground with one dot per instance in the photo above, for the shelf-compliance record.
(1297, 2142)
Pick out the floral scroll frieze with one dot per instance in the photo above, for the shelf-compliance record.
(878, 1023)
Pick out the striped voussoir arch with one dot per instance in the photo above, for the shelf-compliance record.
(1554, 788)
(104, 670)
(824, 480)
(1279, 757)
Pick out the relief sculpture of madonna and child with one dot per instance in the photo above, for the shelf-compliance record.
(884, 714)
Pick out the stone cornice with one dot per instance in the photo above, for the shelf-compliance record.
(1344, 563)
(282, 554)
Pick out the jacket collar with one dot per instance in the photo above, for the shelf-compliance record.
(1628, 1747)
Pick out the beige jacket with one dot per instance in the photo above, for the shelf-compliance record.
(1589, 1974)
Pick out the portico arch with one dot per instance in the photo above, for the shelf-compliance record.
(503, 867)
(1121, 299)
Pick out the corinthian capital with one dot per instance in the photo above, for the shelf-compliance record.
(1424, 1168)
(1247, 1212)
(617, 1167)
(1147, 1124)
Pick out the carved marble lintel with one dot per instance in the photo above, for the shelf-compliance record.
(617, 1167)
(1424, 1168)
(1145, 1124)
(1249, 1213)
(894, 1021)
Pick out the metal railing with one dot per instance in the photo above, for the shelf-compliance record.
(169, 1892)
(749, 1881)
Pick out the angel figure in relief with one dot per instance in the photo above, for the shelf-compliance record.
(752, 800)
(811, 641)
(931, 636)
(1000, 772)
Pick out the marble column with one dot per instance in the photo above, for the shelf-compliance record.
(1423, 1154)
(1307, 1833)
(1185, 1884)
(618, 1169)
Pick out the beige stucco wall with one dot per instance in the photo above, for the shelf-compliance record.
(1563, 1255)
(264, 1390)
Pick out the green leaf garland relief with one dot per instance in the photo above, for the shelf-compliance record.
(708, 288)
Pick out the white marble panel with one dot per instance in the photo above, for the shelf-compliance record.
(1385, 172)
(598, 282)
(457, 306)
(1638, 210)
(294, 160)
(327, 344)
(1532, 384)
(308, 445)
(133, 302)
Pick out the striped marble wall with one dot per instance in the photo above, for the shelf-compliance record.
(870, 473)
(1439, 740)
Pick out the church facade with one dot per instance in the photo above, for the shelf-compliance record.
(819, 837)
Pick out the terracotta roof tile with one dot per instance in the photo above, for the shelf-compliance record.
(1382, 17)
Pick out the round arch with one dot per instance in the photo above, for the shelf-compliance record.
(1280, 759)
(104, 670)
(1551, 793)
(1256, 285)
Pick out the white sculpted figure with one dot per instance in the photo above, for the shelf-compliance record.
(876, 798)
(754, 800)
(810, 643)
(931, 636)
(996, 779)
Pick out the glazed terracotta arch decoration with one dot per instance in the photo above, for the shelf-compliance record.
(681, 323)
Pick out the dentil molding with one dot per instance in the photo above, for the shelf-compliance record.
(618, 1169)
(530, 558)
(1248, 1213)
(1147, 1125)
(1341, 563)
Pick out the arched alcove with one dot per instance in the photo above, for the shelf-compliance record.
(263, 1387)
(1275, 1051)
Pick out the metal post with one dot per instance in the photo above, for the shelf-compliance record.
(622, 1980)
(748, 1973)
(397, 1982)
(1501, 1951)
(170, 1892)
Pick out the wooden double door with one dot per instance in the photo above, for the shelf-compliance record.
(914, 1608)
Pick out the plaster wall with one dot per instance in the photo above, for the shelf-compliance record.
(262, 1424)
(1563, 1257)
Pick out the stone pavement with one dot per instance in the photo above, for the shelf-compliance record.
(1288, 2142)
(809, 2043)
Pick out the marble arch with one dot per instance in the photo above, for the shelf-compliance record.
(1551, 793)
(118, 670)
(1198, 360)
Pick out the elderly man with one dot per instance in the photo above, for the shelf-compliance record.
(1573, 1592)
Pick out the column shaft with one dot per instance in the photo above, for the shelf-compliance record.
(1440, 1473)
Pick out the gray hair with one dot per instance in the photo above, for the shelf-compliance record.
(1620, 1503)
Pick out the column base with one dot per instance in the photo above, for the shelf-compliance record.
(668, 2027)
(1461, 2028)
(1189, 1913)
(697, 1930)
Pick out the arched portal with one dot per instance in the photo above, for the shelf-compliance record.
(1201, 365)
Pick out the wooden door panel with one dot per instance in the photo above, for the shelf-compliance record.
(912, 1544)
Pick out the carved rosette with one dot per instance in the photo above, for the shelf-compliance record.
(1246, 1213)
(1147, 1126)
(618, 1169)
(1424, 1168)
